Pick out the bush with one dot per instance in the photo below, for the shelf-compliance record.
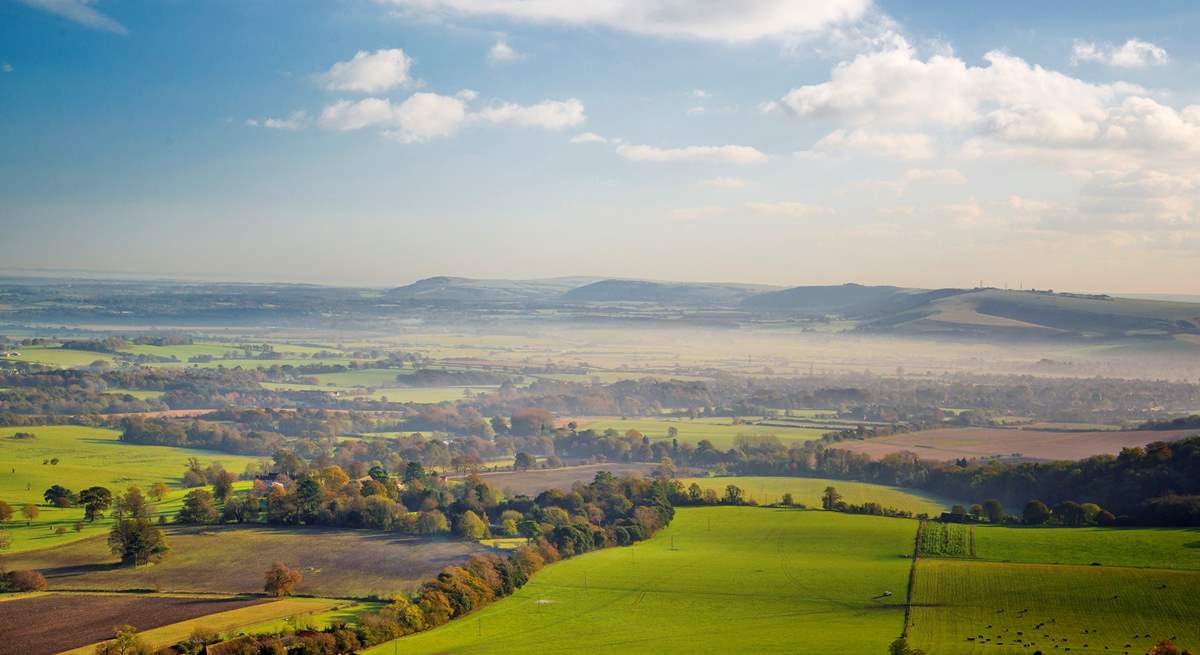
(22, 581)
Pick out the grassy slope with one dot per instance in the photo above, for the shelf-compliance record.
(232, 559)
(741, 580)
(87, 457)
(808, 491)
(957, 599)
(1045, 570)
(718, 431)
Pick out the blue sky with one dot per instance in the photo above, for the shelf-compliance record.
(378, 141)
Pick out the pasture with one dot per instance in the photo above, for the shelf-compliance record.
(719, 579)
(768, 490)
(231, 559)
(86, 457)
(720, 431)
(999, 443)
(988, 607)
(1168, 548)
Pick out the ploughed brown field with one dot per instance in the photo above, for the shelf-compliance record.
(535, 481)
(1000, 443)
(231, 559)
(41, 625)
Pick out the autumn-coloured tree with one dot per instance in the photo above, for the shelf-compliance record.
(280, 580)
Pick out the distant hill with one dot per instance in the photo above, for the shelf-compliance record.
(666, 293)
(998, 312)
(850, 300)
(443, 289)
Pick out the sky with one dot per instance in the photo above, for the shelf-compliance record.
(376, 142)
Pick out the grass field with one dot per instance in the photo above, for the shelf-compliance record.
(988, 607)
(767, 490)
(232, 559)
(87, 457)
(717, 430)
(1168, 548)
(52, 355)
(719, 579)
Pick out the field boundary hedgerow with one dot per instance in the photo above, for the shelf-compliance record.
(912, 577)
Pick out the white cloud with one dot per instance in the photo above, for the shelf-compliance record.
(723, 183)
(421, 117)
(369, 72)
(81, 12)
(588, 137)
(788, 209)
(294, 121)
(1008, 97)
(699, 94)
(730, 154)
(695, 111)
(501, 53)
(745, 20)
(426, 116)
(6, 67)
(898, 145)
(1134, 53)
(548, 114)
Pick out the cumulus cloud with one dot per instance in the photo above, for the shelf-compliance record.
(421, 117)
(548, 114)
(729, 154)
(501, 53)
(6, 67)
(1134, 53)
(588, 137)
(1007, 97)
(79, 11)
(369, 72)
(897, 145)
(293, 122)
(788, 209)
(745, 20)
(427, 116)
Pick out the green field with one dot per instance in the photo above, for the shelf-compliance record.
(52, 355)
(1168, 548)
(768, 490)
(717, 430)
(87, 457)
(1020, 608)
(719, 579)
